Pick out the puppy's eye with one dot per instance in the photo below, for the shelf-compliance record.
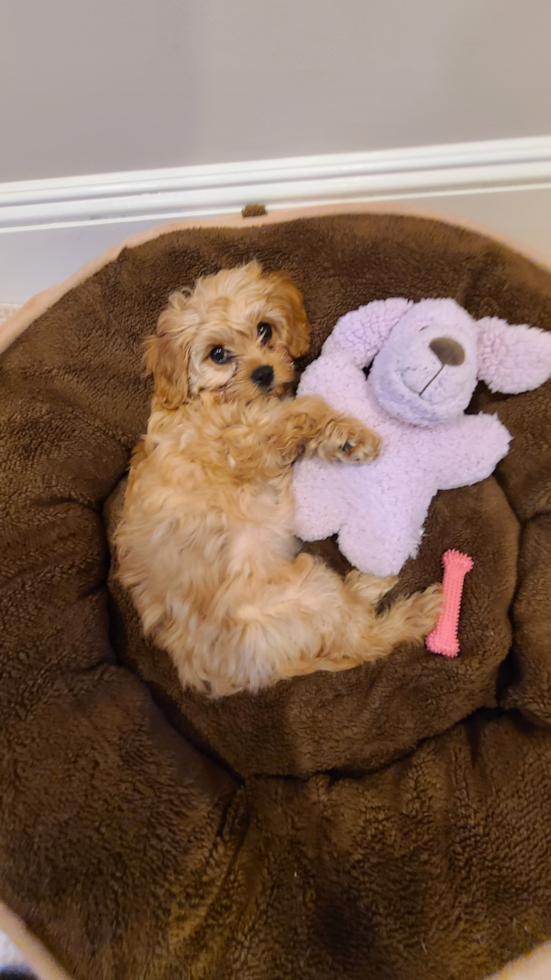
(264, 331)
(220, 355)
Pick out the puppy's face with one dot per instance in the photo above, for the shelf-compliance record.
(236, 334)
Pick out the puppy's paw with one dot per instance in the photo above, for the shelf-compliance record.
(371, 588)
(427, 606)
(349, 440)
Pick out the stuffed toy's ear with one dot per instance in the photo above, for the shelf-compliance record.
(361, 333)
(512, 359)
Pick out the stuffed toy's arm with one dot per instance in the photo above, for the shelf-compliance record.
(360, 334)
(470, 449)
(337, 374)
(336, 380)
(319, 502)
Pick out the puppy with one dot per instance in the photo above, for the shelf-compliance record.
(206, 541)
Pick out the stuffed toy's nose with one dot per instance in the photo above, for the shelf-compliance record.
(448, 351)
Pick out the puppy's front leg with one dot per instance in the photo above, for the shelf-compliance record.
(310, 426)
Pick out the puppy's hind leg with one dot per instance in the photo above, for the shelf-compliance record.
(312, 620)
(372, 636)
(409, 619)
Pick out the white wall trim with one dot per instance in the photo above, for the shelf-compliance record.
(187, 192)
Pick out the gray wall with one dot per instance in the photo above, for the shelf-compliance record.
(88, 86)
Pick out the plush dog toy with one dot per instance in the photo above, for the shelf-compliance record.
(408, 371)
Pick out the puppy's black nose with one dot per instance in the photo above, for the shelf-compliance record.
(263, 376)
(448, 351)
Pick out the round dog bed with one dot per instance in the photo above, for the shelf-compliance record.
(392, 821)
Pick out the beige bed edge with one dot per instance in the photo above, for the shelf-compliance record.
(36, 955)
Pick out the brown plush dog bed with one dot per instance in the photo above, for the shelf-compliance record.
(393, 821)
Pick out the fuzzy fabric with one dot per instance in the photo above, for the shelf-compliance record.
(416, 402)
(391, 821)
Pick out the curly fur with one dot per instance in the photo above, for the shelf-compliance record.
(206, 542)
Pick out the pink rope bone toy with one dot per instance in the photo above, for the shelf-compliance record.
(443, 638)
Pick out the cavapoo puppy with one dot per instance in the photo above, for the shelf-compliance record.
(206, 541)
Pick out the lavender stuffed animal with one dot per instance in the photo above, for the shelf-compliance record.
(408, 371)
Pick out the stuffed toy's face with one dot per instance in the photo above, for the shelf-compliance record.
(426, 370)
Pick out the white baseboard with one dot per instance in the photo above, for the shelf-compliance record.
(48, 228)
(186, 192)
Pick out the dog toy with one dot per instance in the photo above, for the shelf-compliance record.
(443, 638)
(408, 371)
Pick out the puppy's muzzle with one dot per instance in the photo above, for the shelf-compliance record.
(263, 376)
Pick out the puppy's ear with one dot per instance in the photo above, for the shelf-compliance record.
(167, 353)
(288, 300)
